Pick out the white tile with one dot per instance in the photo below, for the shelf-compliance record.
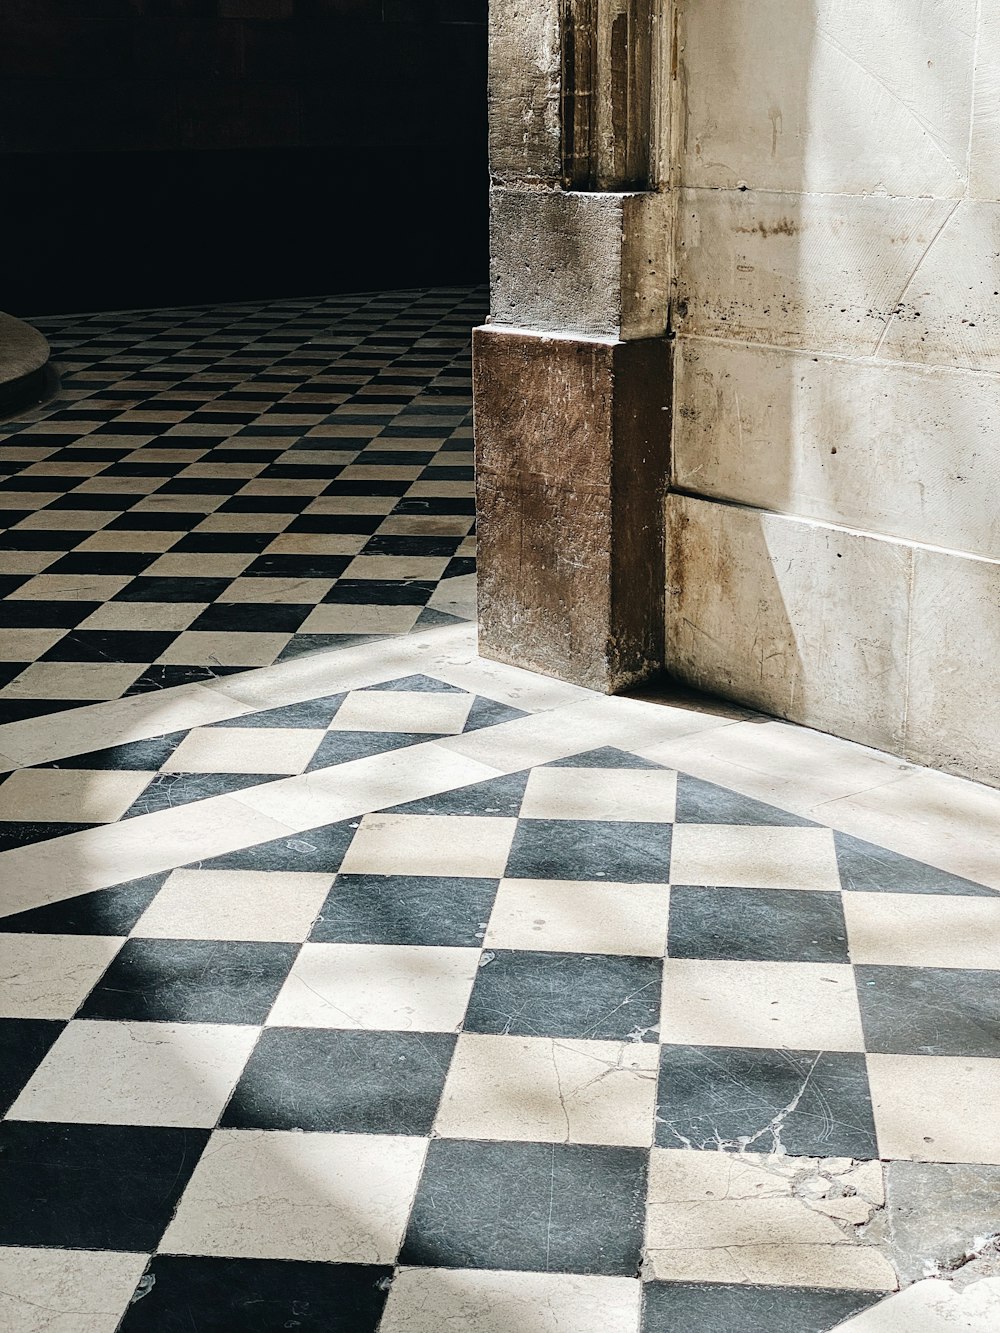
(579, 916)
(726, 1217)
(379, 986)
(144, 615)
(24, 645)
(287, 590)
(137, 1074)
(404, 711)
(49, 976)
(922, 930)
(233, 648)
(427, 1300)
(331, 1198)
(430, 845)
(205, 565)
(550, 1091)
(741, 856)
(396, 566)
(797, 1006)
(594, 793)
(66, 1291)
(78, 795)
(74, 680)
(934, 1305)
(351, 618)
(72, 587)
(938, 1108)
(244, 750)
(235, 905)
(130, 540)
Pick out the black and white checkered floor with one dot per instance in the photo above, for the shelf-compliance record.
(218, 489)
(390, 989)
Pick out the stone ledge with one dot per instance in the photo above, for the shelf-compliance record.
(24, 356)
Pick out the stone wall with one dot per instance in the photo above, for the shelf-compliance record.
(162, 150)
(834, 552)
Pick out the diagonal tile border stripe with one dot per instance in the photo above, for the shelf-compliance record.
(565, 720)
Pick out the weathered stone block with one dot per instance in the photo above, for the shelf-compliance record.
(953, 712)
(799, 619)
(525, 88)
(901, 450)
(596, 264)
(572, 461)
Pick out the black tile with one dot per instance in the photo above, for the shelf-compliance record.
(319, 850)
(541, 1207)
(162, 677)
(603, 997)
(24, 1042)
(704, 803)
(930, 1010)
(31, 614)
(253, 617)
(167, 790)
(406, 909)
(487, 712)
(766, 925)
(12, 583)
(298, 566)
(200, 486)
(311, 714)
(266, 504)
(380, 592)
(109, 645)
(103, 562)
(387, 544)
(199, 542)
(22, 833)
(152, 589)
(111, 911)
(626, 853)
(15, 710)
(39, 539)
(257, 1296)
(342, 1081)
(149, 520)
(395, 458)
(353, 524)
(418, 684)
(367, 487)
(117, 427)
(338, 747)
(459, 566)
(135, 756)
(452, 504)
(87, 500)
(9, 670)
(93, 1187)
(806, 1103)
(607, 756)
(865, 868)
(500, 797)
(705, 1307)
(191, 981)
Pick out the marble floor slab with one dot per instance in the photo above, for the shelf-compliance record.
(351, 981)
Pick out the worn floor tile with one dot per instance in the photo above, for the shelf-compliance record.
(340, 1198)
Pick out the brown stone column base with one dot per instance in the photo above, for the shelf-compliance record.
(572, 460)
